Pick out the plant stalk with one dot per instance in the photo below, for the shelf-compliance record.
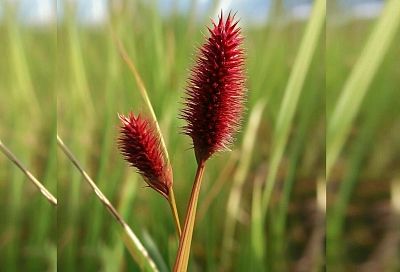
(182, 258)
(172, 204)
(30, 176)
(131, 241)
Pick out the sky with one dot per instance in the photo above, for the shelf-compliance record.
(95, 12)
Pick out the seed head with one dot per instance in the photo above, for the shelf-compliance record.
(215, 93)
(140, 146)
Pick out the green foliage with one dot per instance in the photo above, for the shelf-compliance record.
(80, 94)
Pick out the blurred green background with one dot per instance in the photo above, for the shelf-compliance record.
(28, 123)
(98, 85)
(70, 78)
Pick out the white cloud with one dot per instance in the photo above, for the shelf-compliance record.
(92, 12)
(37, 12)
(301, 12)
(368, 9)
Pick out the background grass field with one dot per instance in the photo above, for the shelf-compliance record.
(71, 79)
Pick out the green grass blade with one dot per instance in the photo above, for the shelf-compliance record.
(292, 94)
(235, 195)
(257, 241)
(24, 91)
(357, 84)
(288, 108)
(297, 148)
(80, 87)
(359, 151)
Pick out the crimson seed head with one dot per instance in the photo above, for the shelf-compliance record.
(141, 147)
(215, 91)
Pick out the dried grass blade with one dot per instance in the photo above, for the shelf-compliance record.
(142, 88)
(135, 247)
(30, 176)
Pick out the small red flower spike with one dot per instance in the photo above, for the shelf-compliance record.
(216, 91)
(141, 147)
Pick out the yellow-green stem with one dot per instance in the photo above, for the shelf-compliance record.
(182, 258)
(43, 190)
(172, 204)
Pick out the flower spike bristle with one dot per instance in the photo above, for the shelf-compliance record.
(141, 147)
(216, 90)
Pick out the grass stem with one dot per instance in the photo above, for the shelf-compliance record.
(172, 204)
(143, 92)
(133, 244)
(182, 258)
(30, 176)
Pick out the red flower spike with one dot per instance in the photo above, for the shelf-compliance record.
(216, 91)
(141, 147)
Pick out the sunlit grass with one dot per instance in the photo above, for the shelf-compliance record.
(283, 146)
